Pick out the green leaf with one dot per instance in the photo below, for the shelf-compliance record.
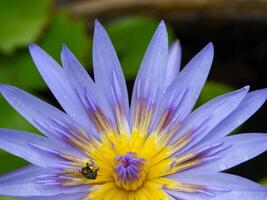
(131, 37)
(20, 70)
(11, 119)
(22, 22)
(71, 32)
(11, 162)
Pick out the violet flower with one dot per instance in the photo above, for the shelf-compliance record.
(99, 148)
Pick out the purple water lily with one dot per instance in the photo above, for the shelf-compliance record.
(158, 148)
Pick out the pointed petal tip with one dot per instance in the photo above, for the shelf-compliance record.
(36, 50)
(162, 26)
(97, 22)
(243, 89)
(6, 89)
(98, 25)
(64, 53)
(264, 90)
(64, 50)
(210, 47)
(177, 42)
(3, 86)
(207, 51)
(162, 23)
(176, 46)
(99, 30)
(33, 46)
(64, 47)
(247, 87)
(160, 34)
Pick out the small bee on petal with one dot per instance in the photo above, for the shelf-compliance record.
(90, 171)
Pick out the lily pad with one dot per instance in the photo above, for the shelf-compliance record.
(11, 119)
(72, 32)
(19, 69)
(22, 22)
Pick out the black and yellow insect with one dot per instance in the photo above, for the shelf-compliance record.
(90, 171)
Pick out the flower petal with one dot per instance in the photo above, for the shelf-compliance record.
(242, 147)
(24, 145)
(90, 96)
(81, 82)
(150, 80)
(206, 117)
(56, 80)
(191, 80)
(108, 72)
(250, 104)
(22, 183)
(222, 186)
(40, 114)
(174, 62)
(181, 95)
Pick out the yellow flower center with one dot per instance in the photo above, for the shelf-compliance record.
(130, 164)
(133, 166)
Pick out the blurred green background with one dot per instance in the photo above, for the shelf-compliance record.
(239, 38)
